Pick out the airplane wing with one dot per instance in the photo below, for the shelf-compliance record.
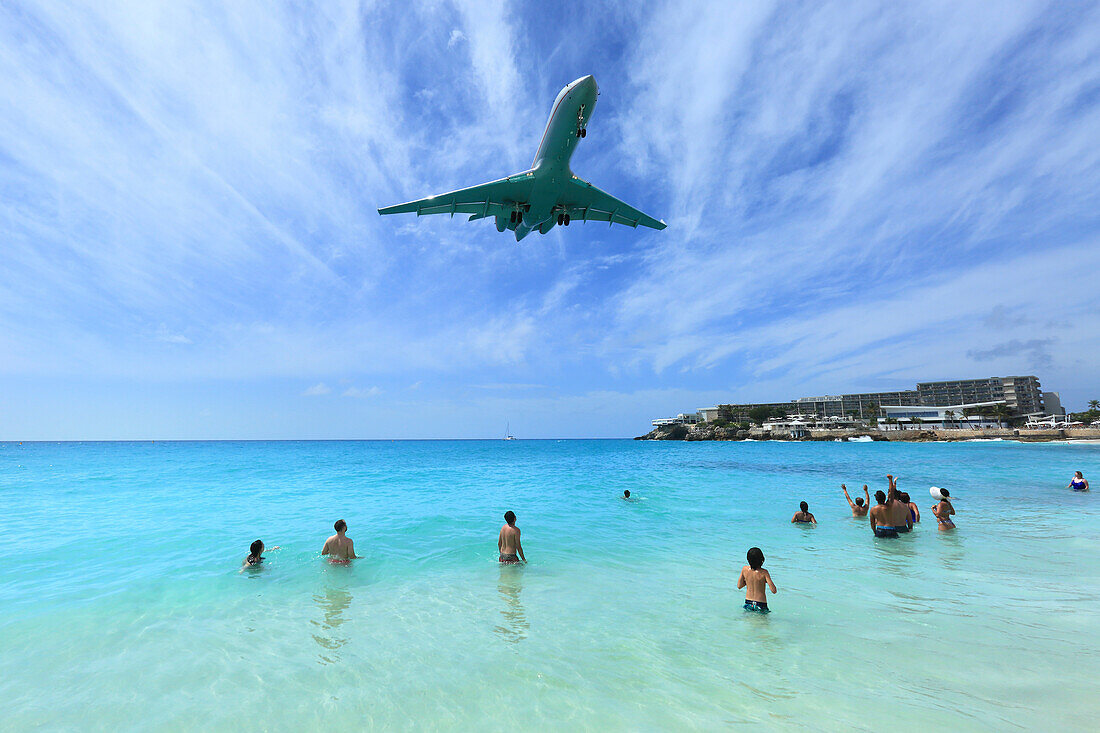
(495, 198)
(585, 202)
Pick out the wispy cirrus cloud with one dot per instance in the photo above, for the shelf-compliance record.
(859, 195)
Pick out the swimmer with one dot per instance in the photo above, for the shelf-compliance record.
(914, 511)
(860, 507)
(1078, 482)
(256, 554)
(803, 516)
(944, 510)
(880, 518)
(753, 578)
(340, 546)
(511, 551)
(626, 495)
(897, 511)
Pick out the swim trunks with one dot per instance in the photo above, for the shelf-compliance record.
(760, 606)
(902, 528)
(881, 531)
(509, 559)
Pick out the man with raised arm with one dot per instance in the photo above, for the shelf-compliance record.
(897, 511)
(859, 506)
(340, 546)
(511, 551)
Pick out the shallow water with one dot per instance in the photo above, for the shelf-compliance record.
(122, 604)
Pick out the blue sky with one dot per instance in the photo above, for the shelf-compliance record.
(859, 196)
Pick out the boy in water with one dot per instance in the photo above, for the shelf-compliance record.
(754, 578)
(803, 516)
(880, 518)
(340, 546)
(859, 506)
(511, 551)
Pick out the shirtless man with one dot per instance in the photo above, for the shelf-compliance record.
(860, 506)
(803, 516)
(880, 518)
(897, 511)
(754, 577)
(340, 546)
(511, 551)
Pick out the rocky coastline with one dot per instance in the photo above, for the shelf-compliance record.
(705, 431)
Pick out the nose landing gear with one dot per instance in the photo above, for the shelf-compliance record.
(517, 217)
(563, 220)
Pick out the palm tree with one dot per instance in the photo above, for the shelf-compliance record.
(1094, 404)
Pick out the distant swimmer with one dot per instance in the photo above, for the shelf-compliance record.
(626, 495)
(753, 578)
(256, 554)
(1078, 482)
(803, 516)
(880, 518)
(861, 505)
(897, 512)
(511, 551)
(339, 546)
(944, 510)
(914, 511)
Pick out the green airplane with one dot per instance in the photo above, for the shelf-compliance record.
(548, 193)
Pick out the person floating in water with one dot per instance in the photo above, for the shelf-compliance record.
(881, 525)
(339, 546)
(511, 551)
(256, 554)
(860, 506)
(914, 512)
(1078, 482)
(803, 516)
(754, 578)
(944, 510)
(897, 512)
(626, 495)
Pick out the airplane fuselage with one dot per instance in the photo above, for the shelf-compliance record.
(568, 122)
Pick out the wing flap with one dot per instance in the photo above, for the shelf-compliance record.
(484, 200)
(588, 203)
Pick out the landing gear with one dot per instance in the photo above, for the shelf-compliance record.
(584, 132)
(512, 219)
(567, 215)
(581, 132)
(517, 217)
(561, 219)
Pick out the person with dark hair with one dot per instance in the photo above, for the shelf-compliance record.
(256, 553)
(803, 516)
(508, 544)
(944, 510)
(880, 518)
(860, 506)
(914, 511)
(754, 578)
(897, 511)
(626, 494)
(1078, 482)
(339, 546)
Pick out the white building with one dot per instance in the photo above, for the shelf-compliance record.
(681, 419)
(915, 417)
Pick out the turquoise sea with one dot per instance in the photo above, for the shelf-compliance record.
(122, 604)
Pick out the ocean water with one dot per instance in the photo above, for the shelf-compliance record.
(123, 606)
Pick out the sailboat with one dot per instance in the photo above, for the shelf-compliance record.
(508, 432)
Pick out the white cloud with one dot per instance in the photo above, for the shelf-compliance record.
(317, 390)
(361, 392)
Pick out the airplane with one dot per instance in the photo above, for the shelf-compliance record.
(546, 194)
